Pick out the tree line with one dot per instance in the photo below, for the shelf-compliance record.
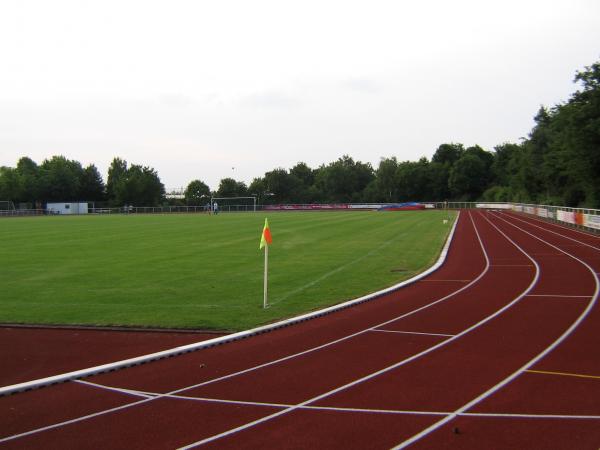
(59, 179)
(559, 163)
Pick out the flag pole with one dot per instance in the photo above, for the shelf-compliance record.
(265, 301)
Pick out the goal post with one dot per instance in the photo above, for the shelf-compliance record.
(7, 205)
(228, 202)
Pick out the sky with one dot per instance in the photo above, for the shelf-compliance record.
(224, 88)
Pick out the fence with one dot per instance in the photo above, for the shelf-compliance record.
(583, 218)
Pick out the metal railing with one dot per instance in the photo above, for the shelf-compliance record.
(583, 218)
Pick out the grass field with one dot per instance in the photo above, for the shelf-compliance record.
(204, 272)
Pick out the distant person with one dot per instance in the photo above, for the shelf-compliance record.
(215, 208)
(207, 208)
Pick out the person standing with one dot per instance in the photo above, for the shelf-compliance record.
(215, 208)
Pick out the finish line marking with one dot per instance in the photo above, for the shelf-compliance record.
(412, 332)
(564, 374)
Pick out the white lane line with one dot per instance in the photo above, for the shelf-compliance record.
(529, 364)
(559, 296)
(117, 389)
(512, 265)
(349, 409)
(444, 281)
(411, 332)
(531, 416)
(260, 366)
(584, 233)
(379, 372)
(549, 231)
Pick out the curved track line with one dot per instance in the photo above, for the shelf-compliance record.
(384, 370)
(241, 372)
(531, 362)
(564, 227)
(35, 384)
(550, 231)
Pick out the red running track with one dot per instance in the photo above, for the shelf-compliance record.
(496, 349)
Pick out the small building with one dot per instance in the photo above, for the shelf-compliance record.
(67, 208)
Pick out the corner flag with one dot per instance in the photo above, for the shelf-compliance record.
(266, 238)
(265, 241)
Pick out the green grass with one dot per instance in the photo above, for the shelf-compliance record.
(203, 272)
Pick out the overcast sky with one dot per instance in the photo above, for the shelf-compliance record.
(211, 89)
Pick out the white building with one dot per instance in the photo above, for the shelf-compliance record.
(67, 208)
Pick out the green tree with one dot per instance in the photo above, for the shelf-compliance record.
(141, 186)
(467, 178)
(91, 185)
(10, 187)
(117, 173)
(344, 180)
(197, 193)
(29, 174)
(228, 187)
(448, 154)
(60, 179)
(386, 184)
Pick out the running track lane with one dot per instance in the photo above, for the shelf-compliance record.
(323, 423)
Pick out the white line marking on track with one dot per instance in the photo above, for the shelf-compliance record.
(444, 281)
(352, 410)
(530, 416)
(529, 364)
(549, 231)
(411, 332)
(512, 265)
(585, 233)
(560, 296)
(117, 389)
(384, 370)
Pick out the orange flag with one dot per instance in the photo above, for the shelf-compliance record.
(266, 238)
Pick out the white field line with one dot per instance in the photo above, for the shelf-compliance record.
(139, 402)
(531, 362)
(379, 372)
(550, 231)
(351, 410)
(334, 271)
(34, 384)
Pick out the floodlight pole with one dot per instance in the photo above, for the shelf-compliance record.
(265, 300)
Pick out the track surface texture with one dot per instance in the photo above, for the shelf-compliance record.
(496, 349)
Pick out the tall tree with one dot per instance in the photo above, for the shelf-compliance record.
(117, 174)
(29, 174)
(197, 193)
(60, 179)
(91, 185)
(448, 154)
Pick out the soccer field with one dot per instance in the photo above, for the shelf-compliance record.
(204, 272)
